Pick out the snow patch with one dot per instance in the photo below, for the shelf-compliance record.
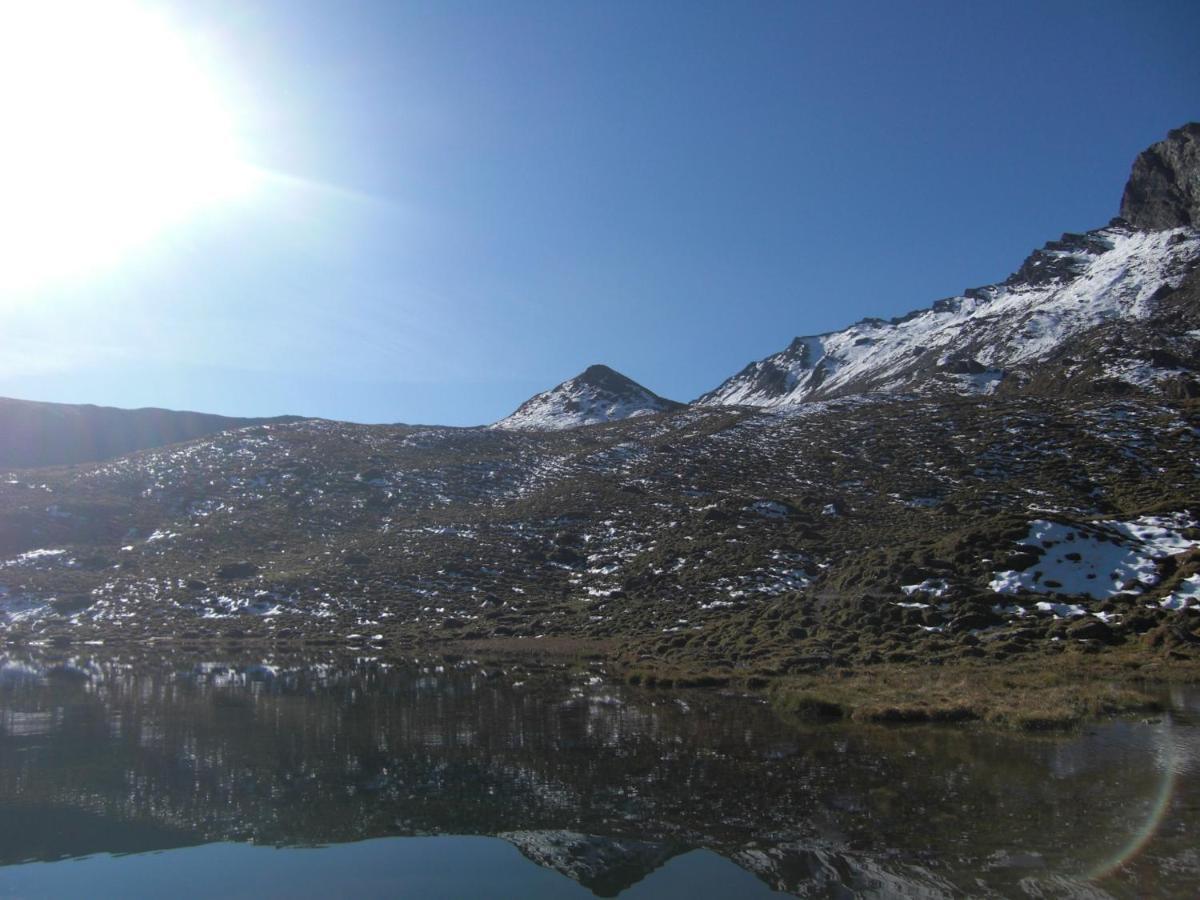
(769, 509)
(933, 587)
(1096, 560)
(1186, 596)
(32, 556)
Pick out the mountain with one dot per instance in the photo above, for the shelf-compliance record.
(598, 394)
(1081, 289)
(56, 434)
(907, 522)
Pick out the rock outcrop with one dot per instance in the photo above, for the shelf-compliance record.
(1164, 188)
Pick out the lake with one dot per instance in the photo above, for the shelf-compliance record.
(448, 776)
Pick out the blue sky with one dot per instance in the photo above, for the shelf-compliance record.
(461, 204)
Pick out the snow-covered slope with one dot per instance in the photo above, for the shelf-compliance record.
(969, 343)
(1089, 307)
(596, 395)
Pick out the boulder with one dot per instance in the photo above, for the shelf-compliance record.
(1090, 629)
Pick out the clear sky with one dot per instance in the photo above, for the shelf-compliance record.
(455, 205)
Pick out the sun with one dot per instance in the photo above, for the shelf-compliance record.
(110, 132)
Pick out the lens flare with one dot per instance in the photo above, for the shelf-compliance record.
(1144, 834)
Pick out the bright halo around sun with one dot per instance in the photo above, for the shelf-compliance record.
(110, 131)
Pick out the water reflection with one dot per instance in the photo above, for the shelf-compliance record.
(596, 781)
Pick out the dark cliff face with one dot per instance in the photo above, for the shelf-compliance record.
(1164, 188)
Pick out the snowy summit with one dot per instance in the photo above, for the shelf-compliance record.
(598, 394)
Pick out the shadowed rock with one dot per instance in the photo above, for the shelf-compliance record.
(1164, 188)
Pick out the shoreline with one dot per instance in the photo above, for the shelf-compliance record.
(1034, 693)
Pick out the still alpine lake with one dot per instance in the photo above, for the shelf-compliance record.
(456, 777)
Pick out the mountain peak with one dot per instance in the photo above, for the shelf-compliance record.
(597, 394)
(604, 377)
(1163, 190)
(598, 370)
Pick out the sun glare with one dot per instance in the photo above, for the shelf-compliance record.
(110, 132)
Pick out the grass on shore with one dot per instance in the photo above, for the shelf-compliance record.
(1026, 695)
(1031, 693)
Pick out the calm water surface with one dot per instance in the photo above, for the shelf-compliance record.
(464, 778)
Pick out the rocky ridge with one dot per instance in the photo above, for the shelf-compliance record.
(997, 337)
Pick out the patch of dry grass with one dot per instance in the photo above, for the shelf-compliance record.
(1023, 695)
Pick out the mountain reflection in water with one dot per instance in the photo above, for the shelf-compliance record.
(602, 783)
